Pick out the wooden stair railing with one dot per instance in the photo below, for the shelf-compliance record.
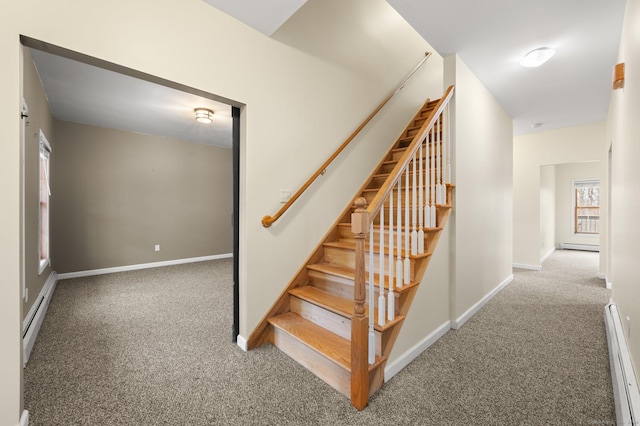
(267, 221)
(323, 319)
(426, 187)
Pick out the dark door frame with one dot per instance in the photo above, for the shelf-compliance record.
(235, 114)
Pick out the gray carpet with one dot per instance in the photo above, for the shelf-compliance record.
(153, 348)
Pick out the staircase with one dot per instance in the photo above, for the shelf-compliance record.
(314, 319)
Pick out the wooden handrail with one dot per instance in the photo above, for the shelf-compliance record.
(267, 221)
(385, 189)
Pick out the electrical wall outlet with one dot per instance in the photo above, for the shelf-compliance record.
(157, 247)
(285, 195)
(628, 327)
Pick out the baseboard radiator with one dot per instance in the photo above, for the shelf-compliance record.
(625, 387)
(33, 321)
(585, 247)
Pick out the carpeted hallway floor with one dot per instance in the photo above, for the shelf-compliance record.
(153, 347)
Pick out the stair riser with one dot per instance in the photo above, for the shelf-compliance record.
(329, 320)
(369, 195)
(377, 182)
(344, 288)
(347, 258)
(440, 212)
(413, 131)
(396, 155)
(346, 234)
(339, 286)
(331, 373)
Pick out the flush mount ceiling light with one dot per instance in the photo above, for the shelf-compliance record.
(203, 115)
(537, 57)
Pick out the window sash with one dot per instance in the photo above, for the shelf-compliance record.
(44, 194)
(586, 207)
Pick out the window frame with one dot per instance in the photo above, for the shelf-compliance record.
(574, 213)
(44, 206)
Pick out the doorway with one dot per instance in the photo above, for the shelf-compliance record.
(234, 143)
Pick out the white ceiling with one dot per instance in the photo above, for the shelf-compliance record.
(264, 16)
(87, 94)
(491, 36)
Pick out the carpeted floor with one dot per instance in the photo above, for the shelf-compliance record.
(153, 347)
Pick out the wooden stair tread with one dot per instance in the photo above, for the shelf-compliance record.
(377, 227)
(338, 305)
(386, 175)
(351, 245)
(321, 340)
(349, 273)
(402, 205)
(375, 190)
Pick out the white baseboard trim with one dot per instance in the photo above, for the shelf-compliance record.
(529, 267)
(606, 280)
(33, 321)
(24, 418)
(241, 342)
(625, 388)
(546, 256)
(587, 247)
(405, 359)
(141, 266)
(459, 322)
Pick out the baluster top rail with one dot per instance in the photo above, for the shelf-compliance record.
(267, 221)
(387, 186)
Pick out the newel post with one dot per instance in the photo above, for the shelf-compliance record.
(359, 342)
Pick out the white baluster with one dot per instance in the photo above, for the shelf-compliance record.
(399, 275)
(372, 336)
(391, 298)
(407, 228)
(420, 204)
(381, 301)
(448, 149)
(427, 186)
(438, 163)
(414, 209)
(443, 187)
(432, 206)
(444, 148)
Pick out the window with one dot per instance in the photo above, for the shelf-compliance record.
(586, 206)
(44, 195)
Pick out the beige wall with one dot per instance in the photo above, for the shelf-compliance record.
(565, 175)
(568, 145)
(625, 186)
(119, 193)
(482, 218)
(10, 213)
(547, 209)
(299, 108)
(39, 118)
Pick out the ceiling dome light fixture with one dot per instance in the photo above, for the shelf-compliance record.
(537, 57)
(203, 115)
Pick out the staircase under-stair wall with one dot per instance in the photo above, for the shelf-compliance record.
(325, 318)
